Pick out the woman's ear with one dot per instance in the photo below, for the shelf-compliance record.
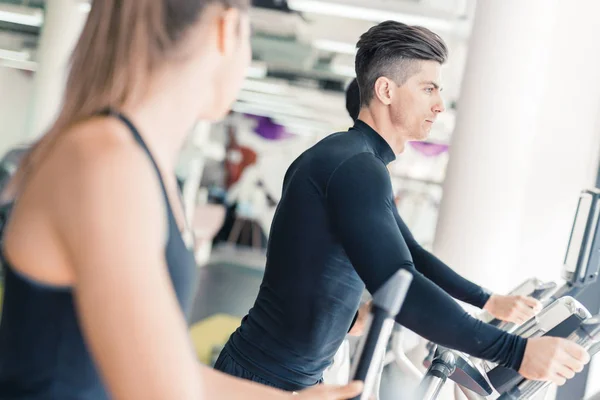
(228, 31)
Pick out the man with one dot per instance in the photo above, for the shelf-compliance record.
(337, 231)
(506, 308)
(500, 306)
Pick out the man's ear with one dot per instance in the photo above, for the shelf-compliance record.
(383, 90)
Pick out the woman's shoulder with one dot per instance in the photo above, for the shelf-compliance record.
(93, 159)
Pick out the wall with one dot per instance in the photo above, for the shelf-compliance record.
(15, 94)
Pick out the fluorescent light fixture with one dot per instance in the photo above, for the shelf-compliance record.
(24, 65)
(17, 60)
(261, 98)
(256, 70)
(10, 55)
(334, 46)
(273, 104)
(21, 15)
(343, 70)
(264, 87)
(368, 14)
(309, 103)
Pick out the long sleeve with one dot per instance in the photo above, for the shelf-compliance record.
(360, 205)
(439, 273)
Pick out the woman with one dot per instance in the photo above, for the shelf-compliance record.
(98, 273)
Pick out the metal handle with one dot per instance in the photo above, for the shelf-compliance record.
(387, 302)
(442, 367)
(541, 291)
(587, 336)
(544, 290)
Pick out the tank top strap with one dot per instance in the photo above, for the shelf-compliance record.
(138, 138)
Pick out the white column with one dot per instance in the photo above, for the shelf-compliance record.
(525, 141)
(567, 142)
(15, 95)
(63, 22)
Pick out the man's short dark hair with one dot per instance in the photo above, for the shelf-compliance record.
(353, 99)
(390, 49)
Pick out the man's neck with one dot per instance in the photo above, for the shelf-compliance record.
(384, 128)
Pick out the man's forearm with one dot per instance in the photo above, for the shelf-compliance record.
(441, 274)
(431, 313)
(446, 278)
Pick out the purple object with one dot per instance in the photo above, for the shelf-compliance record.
(268, 129)
(429, 149)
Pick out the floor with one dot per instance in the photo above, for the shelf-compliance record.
(225, 288)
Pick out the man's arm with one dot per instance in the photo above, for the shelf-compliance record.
(517, 309)
(439, 273)
(361, 210)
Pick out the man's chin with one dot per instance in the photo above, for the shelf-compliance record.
(420, 137)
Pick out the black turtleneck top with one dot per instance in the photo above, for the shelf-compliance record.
(337, 229)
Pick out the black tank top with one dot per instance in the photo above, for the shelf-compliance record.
(42, 351)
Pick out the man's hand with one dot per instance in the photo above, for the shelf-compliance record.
(552, 359)
(361, 320)
(517, 309)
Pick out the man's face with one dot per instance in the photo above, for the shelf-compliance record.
(416, 104)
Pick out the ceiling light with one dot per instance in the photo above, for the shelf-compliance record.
(264, 87)
(368, 14)
(21, 15)
(23, 65)
(343, 70)
(17, 60)
(334, 46)
(11, 55)
(257, 70)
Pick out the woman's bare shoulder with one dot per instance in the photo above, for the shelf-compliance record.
(90, 166)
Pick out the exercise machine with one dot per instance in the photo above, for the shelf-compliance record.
(581, 263)
(582, 259)
(370, 352)
(562, 316)
(587, 335)
(580, 269)
(560, 319)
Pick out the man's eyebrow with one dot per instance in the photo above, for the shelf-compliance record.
(432, 83)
